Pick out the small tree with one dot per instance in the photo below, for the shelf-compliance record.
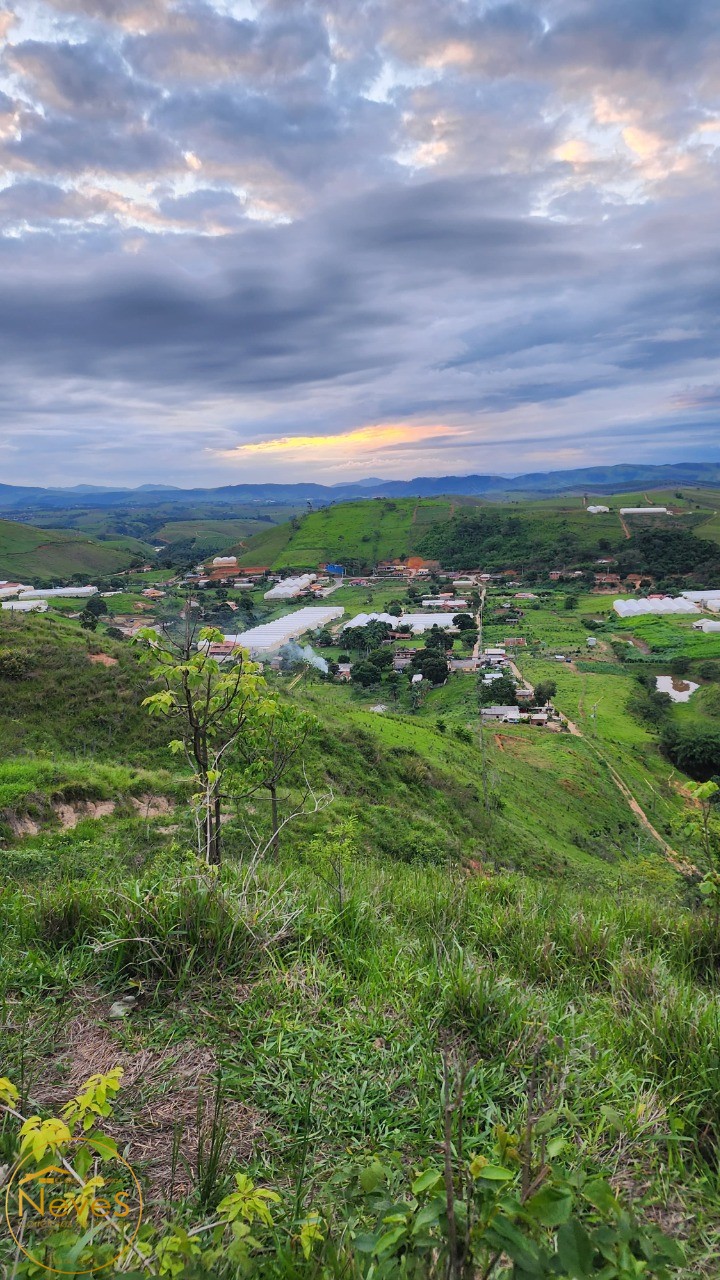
(212, 706)
(545, 691)
(365, 674)
(272, 739)
(464, 622)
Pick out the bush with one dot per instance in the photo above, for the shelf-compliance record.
(696, 751)
(13, 665)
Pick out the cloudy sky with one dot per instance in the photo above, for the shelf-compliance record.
(273, 240)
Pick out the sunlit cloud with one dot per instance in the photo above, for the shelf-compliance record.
(361, 440)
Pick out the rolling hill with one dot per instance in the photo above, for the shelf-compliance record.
(355, 534)
(611, 479)
(38, 555)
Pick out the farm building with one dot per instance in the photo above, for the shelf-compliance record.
(644, 511)
(269, 637)
(706, 599)
(49, 593)
(290, 587)
(418, 622)
(25, 606)
(495, 655)
(9, 589)
(510, 715)
(596, 510)
(362, 619)
(655, 604)
(444, 602)
(705, 624)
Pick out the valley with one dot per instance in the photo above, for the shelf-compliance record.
(482, 899)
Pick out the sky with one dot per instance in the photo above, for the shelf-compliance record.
(283, 240)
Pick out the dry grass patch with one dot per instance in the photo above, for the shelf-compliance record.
(165, 1106)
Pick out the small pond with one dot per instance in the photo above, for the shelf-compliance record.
(679, 690)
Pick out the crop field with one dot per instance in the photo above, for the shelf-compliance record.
(222, 532)
(670, 637)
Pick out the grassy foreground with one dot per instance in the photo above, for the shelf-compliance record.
(317, 1022)
(420, 977)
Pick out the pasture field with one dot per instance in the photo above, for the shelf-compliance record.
(40, 555)
(360, 532)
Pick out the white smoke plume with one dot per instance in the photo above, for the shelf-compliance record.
(293, 654)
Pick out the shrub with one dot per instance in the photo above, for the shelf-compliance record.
(13, 665)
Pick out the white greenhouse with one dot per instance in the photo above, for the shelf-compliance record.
(662, 604)
(290, 587)
(269, 637)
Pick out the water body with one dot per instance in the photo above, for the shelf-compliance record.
(679, 690)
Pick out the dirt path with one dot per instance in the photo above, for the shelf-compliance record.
(623, 522)
(478, 622)
(674, 858)
(573, 729)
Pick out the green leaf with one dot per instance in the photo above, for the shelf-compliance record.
(426, 1181)
(389, 1239)
(600, 1194)
(428, 1216)
(495, 1173)
(100, 1142)
(550, 1206)
(364, 1242)
(82, 1161)
(574, 1250)
(371, 1177)
(502, 1234)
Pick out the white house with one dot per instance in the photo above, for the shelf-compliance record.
(510, 715)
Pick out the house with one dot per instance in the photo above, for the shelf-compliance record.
(508, 715)
(607, 580)
(635, 580)
(555, 575)
(152, 593)
(515, 642)
(538, 717)
(494, 656)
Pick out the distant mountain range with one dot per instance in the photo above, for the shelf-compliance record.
(616, 479)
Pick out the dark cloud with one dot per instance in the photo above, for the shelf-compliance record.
(232, 221)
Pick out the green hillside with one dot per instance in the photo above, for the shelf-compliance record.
(510, 907)
(356, 534)
(38, 555)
